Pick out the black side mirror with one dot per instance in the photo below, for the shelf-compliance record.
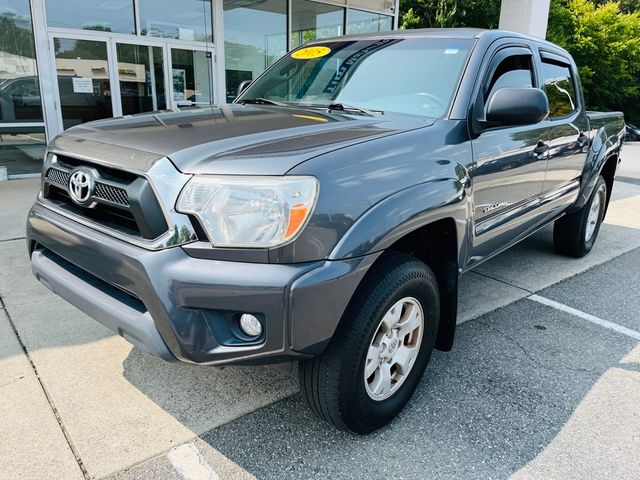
(243, 86)
(512, 106)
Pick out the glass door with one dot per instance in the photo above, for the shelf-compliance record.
(141, 78)
(191, 76)
(104, 75)
(83, 80)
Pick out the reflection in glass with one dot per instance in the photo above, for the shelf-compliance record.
(184, 19)
(191, 76)
(83, 80)
(141, 75)
(377, 74)
(362, 22)
(21, 145)
(254, 37)
(19, 90)
(311, 21)
(105, 16)
(558, 84)
(379, 5)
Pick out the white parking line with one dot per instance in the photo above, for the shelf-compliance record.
(190, 464)
(585, 316)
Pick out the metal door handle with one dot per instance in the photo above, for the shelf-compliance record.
(583, 140)
(541, 149)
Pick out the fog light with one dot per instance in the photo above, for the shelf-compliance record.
(250, 325)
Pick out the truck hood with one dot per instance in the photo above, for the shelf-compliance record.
(231, 139)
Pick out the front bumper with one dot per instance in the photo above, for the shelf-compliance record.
(179, 307)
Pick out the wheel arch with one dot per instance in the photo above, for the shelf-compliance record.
(602, 159)
(436, 245)
(436, 210)
(428, 221)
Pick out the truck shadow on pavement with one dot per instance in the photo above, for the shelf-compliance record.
(514, 383)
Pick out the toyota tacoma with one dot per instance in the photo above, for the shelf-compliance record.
(326, 215)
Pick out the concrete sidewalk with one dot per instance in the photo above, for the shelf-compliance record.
(79, 402)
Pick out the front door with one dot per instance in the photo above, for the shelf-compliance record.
(102, 76)
(509, 162)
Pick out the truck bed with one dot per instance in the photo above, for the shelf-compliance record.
(611, 122)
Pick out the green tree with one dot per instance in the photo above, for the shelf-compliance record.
(449, 13)
(605, 43)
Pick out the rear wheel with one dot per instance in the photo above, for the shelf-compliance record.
(379, 353)
(575, 233)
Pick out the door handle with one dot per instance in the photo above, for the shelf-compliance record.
(541, 149)
(583, 140)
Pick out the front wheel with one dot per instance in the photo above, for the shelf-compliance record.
(379, 352)
(575, 233)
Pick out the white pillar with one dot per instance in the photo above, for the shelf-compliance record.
(525, 16)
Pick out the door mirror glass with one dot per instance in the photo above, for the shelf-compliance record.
(512, 106)
(243, 86)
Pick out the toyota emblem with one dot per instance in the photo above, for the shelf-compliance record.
(80, 186)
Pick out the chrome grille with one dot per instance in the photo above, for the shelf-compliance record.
(58, 177)
(111, 193)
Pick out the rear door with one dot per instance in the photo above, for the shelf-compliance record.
(568, 125)
(509, 162)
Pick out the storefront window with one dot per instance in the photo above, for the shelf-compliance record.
(111, 16)
(183, 19)
(361, 22)
(378, 5)
(311, 21)
(21, 131)
(254, 37)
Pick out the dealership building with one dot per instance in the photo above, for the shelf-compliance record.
(66, 62)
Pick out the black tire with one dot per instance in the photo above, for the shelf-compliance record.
(333, 383)
(570, 232)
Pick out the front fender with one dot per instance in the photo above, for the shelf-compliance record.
(396, 216)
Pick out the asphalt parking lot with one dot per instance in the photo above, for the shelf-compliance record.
(543, 381)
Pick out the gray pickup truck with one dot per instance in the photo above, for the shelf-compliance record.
(326, 215)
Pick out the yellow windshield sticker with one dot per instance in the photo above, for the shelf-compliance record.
(310, 52)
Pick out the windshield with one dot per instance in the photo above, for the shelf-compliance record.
(406, 75)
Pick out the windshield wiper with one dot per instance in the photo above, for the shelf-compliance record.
(261, 101)
(352, 108)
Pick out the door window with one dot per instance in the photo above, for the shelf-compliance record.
(513, 71)
(141, 75)
(558, 84)
(83, 80)
(191, 77)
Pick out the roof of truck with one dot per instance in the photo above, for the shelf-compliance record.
(459, 33)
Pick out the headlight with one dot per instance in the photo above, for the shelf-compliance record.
(249, 211)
